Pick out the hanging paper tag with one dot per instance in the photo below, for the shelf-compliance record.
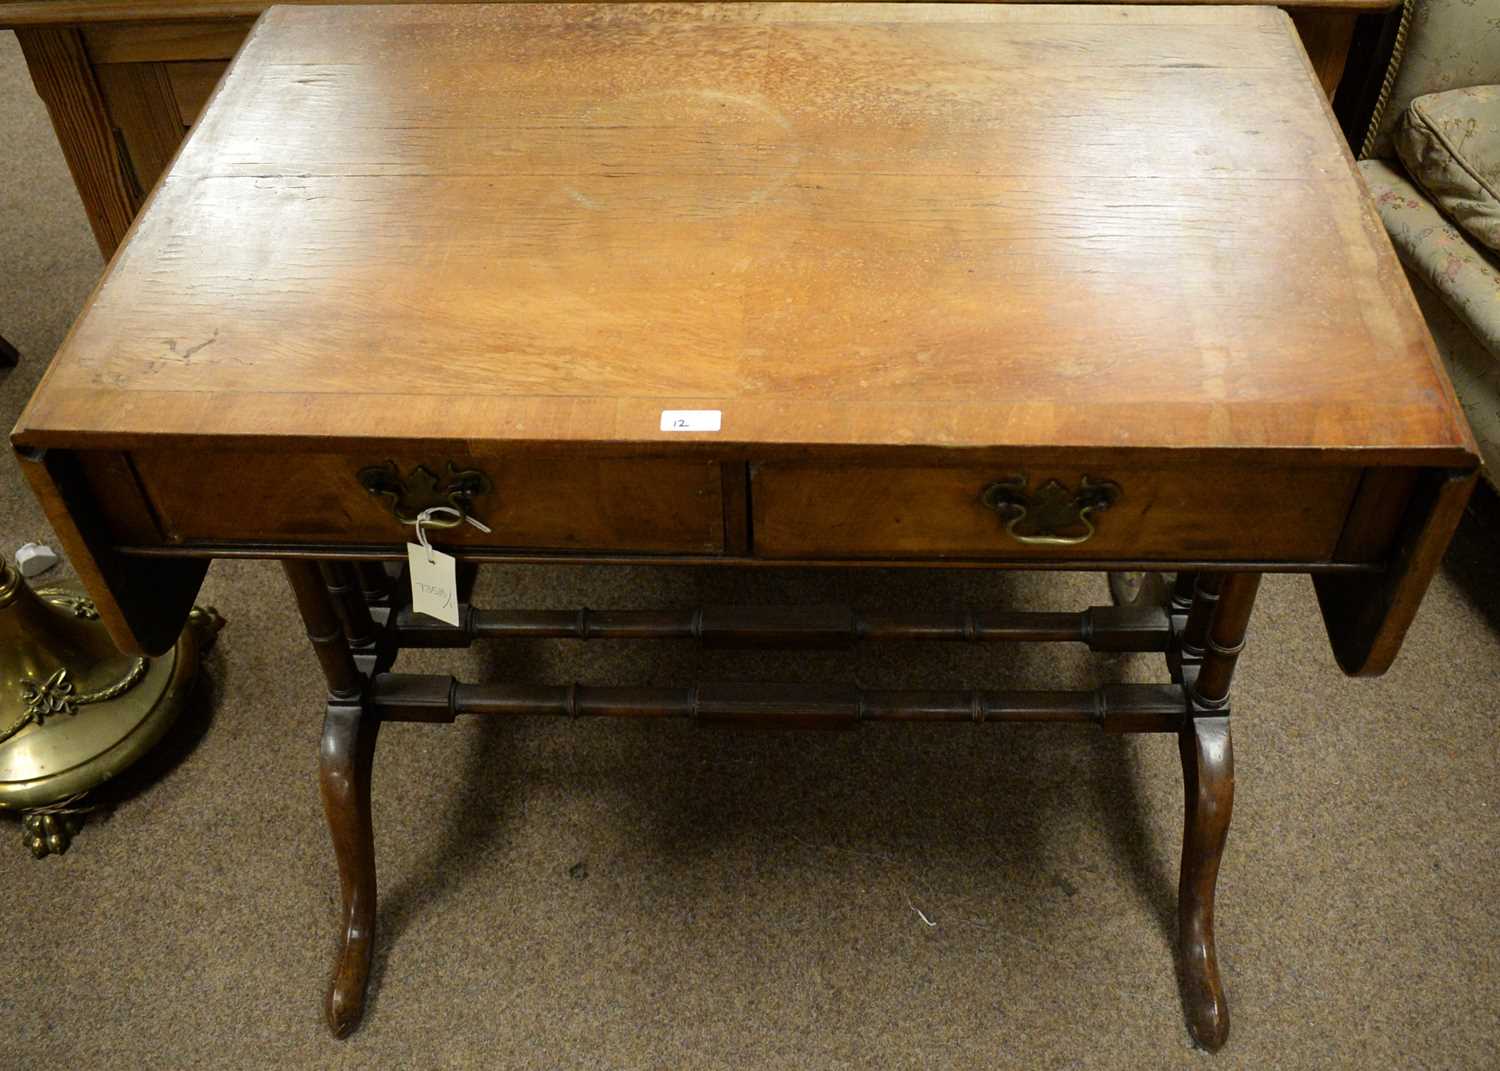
(434, 585)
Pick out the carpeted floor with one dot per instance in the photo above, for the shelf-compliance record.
(561, 895)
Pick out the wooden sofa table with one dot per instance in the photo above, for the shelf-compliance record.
(826, 285)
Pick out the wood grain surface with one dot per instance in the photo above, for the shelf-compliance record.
(33, 12)
(563, 503)
(1326, 36)
(192, 84)
(861, 225)
(1368, 617)
(65, 81)
(143, 107)
(145, 42)
(821, 510)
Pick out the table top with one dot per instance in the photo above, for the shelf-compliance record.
(48, 12)
(850, 226)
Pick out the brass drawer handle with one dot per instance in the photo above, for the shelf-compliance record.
(1052, 515)
(407, 496)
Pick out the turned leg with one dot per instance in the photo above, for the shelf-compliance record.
(348, 752)
(1181, 600)
(1213, 638)
(349, 602)
(358, 616)
(374, 581)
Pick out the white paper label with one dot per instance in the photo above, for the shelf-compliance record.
(691, 419)
(434, 586)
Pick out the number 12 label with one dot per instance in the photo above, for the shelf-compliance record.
(691, 419)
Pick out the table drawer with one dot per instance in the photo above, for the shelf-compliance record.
(813, 510)
(552, 503)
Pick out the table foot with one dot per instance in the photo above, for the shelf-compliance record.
(346, 759)
(1208, 782)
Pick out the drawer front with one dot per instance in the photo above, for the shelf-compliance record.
(815, 511)
(543, 503)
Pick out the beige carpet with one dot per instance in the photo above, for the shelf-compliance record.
(565, 895)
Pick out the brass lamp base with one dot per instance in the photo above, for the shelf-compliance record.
(74, 711)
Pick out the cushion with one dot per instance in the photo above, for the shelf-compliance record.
(1450, 143)
(1437, 252)
(1474, 370)
(1448, 44)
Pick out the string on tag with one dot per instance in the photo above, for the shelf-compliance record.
(425, 518)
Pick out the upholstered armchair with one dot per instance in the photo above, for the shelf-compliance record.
(1431, 161)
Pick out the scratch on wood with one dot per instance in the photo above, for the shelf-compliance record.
(188, 353)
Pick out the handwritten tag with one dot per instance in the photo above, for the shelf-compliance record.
(434, 585)
(691, 419)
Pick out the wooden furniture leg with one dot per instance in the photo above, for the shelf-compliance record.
(1208, 788)
(349, 602)
(375, 582)
(348, 752)
(64, 79)
(345, 760)
(357, 614)
(1182, 593)
(1213, 639)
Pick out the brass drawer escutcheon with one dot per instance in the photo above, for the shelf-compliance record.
(1053, 515)
(407, 496)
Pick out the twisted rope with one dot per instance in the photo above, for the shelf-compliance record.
(1383, 100)
(120, 687)
(16, 727)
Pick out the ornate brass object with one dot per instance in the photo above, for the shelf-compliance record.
(1052, 515)
(408, 496)
(74, 711)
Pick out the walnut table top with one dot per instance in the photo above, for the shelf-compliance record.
(900, 250)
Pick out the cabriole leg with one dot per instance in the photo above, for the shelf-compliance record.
(1208, 784)
(347, 755)
(348, 752)
(1218, 620)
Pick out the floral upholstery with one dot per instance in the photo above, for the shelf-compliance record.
(1474, 370)
(1436, 251)
(1450, 44)
(1450, 144)
(1458, 287)
(1446, 45)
